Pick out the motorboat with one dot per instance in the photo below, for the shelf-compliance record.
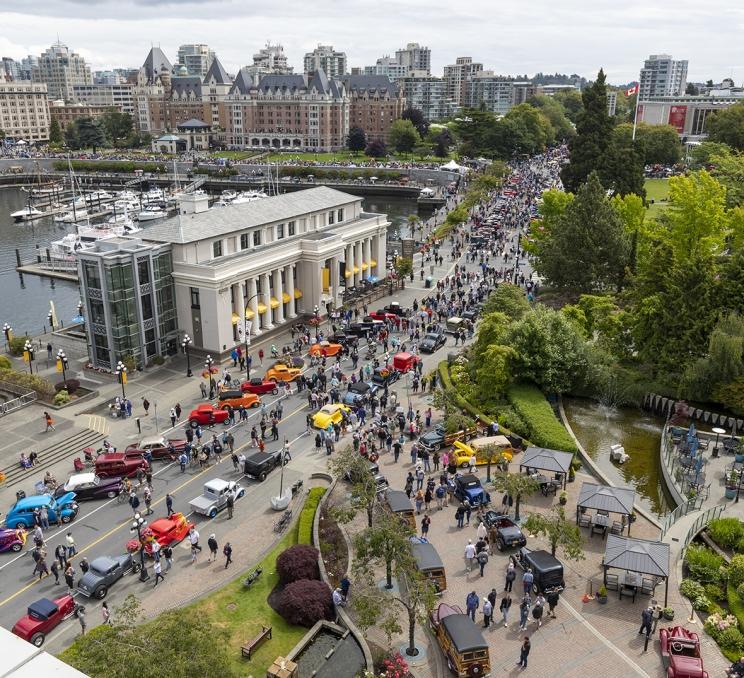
(228, 196)
(126, 195)
(248, 196)
(26, 214)
(98, 195)
(153, 195)
(151, 214)
(70, 217)
(67, 246)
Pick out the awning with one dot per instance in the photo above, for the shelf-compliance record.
(262, 308)
(285, 298)
(356, 269)
(298, 293)
(235, 318)
(347, 273)
(364, 265)
(274, 302)
(249, 313)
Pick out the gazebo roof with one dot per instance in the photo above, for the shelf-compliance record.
(193, 124)
(637, 555)
(607, 498)
(546, 460)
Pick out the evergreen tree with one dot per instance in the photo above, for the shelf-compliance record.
(55, 132)
(622, 169)
(593, 132)
(357, 139)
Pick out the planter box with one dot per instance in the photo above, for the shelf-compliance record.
(601, 599)
(730, 493)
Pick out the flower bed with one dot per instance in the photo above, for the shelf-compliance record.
(333, 548)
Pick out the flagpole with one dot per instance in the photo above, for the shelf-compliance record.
(635, 116)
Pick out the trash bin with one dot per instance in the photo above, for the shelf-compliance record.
(428, 283)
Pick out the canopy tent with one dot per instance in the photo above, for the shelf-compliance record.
(605, 498)
(553, 461)
(638, 555)
(451, 166)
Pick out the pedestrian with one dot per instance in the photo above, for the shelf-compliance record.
(105, 613)
(49, 422)
(227, 551)
(71, 549)
(44, 517)
(552, 598)
(419, 500)
(41, 566)
(472, 603)
(481, 532)
(425, 522)
(470, 555)
(524, 612)
(70, 579)
(134, 501)
(647, 618)
(148, 500)
(487, 613)
(482, 558)
(511, 575)
(230, 502)
(460, 515)
(54, 569)
(168, 555)
(60, 553)
(80, 612)
(527, 579)
(504, 606)
(157, 569)
(169, 504)
(84, 565)
(203, 389)
(524, 652)
(194, 539)
(537, 611)
(146, 406)
(212, 543)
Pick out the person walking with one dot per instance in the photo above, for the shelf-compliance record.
(148, 500)
(419, 500)
(70, 578)
(470, 555)
(552, 598)
(49, 422)
(524, 652)
(227, 551)
(169, 504)
(487, 613)
(527, 579)
(194, 539)
(212, 543)
(524, 612)
(60, 553)
(168, 555)
(511, 575)
(472, 603)
(146, 406)
(54, 569)
(44, 517)
(157, 569)
(482, 558)
(105, 613)
(538, 609)
(80, 612)
(230, 502)
(425, 522)
(71, 548)
(504, 606)
(647, 619)
(482, 531)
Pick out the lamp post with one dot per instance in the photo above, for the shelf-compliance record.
(8, 332)
(50, 318)
(28, 349)
(247, 332)
(62, 358)
(317, 320)
(139, 524)
(208, 362)
(185, 343)
(121, 374)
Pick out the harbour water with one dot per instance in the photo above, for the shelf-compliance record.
(24, 299)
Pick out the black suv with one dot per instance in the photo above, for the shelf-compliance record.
(260, 464)
(546, 569)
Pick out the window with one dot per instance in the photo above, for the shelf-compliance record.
(330, 218)
(146, 306)
(92, 276)
(291, 228)
(194, 297)
(340, 216)
(256, 238)
(244, 241)
(143, 271)
(279, 231)
(217, 248)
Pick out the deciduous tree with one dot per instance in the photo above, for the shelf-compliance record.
(403, 136)
(376, 149)
(117, 126)
(385, 544)
(559, 531)
(515, 485)
(727, 126)
(416, 116)
(352, 467)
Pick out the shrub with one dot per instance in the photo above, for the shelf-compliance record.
(726, 532)
(731, 640)
(736, 571)
(509, 418)
(509, 300)
(696, 593)
(62, 398)
(543, 427)
(5, 363)
(705, 566)
(16, 345)
(717, 623)
(740, 591)
(298, 562)
(31, 382)
(306, 602)
(735, 603)
(714, 592)
(305, 525)
(71, 385)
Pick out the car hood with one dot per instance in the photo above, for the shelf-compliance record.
(89, 580)
(687, 667)
(510, 532)
(66, 498)
(431, 437)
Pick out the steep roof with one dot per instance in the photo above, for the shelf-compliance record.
(193, 124)
(371, 83)
(243, 82)
(290, 81)
(217, 74)
(607, 498)
(302, 83)
(155, 62)
(190, 84)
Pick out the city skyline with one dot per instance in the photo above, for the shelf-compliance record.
(578, 38)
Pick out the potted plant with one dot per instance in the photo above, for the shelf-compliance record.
(602, 595)
(668, 613)
(732, 483)
(563, 498)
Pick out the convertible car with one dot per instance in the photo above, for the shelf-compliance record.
(680, 653)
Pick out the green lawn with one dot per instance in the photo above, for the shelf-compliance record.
(234, 155)
(658, 191)
(348, 156)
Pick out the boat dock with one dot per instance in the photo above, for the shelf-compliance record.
(46, 266)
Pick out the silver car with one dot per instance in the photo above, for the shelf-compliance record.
(103, 572)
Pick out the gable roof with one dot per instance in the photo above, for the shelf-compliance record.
(155, 62)
(193, 124)
(218, 73)
(243, 82)
(606, 498)
(371, 83)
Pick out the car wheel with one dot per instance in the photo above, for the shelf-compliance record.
(465, 464)
(535, 589)
(101, 593)
(65, 519)
(20, 526)
(111, 494)
(37, 639)
(241, 494)
(136, 567)
(275, 391)
(193, 423)
(256, 404)
(16, 547)
(500, 545)
(213, 513)
(262, 476)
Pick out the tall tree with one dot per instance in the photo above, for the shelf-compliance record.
(376, 149)
(403, 136)
(530, 129)
(118, 126)
(622, 169)
(571, 101)
(515, 485)
(559, 531)
(727, 126)
(555, 112)
(658, 144)
(85, 133)
(385, 544)
(593, 131)
(357, 139)
(354, 468)
(55, 132)
(416, 116)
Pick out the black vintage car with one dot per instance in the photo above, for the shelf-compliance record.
(260, 464)
(503, 530)
(385, 375)
(546, 569)
(90, 486)
(432, 341)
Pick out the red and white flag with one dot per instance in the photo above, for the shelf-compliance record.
(631, 91)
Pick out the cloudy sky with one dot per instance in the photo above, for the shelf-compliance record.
(570, 36)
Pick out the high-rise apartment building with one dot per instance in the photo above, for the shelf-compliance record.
(28, 64)
(10, 71)
(429, 95)
(60, 69)
(492, 91)
(387, 66)
(269, 60)
(195, 58)
(414, 57)
(662, 76)
(456, 78)
(120, 96)
(325, 58)
(24, 110)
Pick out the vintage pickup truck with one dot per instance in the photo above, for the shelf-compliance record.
(214, 496)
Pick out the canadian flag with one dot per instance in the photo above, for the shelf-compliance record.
(631, 91)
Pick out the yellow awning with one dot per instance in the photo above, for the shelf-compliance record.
(285, 298)
(262, 308)
(356, 269)
(274, 302)
(298, 293)
(235, 318)
(347, 273)
(249, 313)
(372, 262)
(364, 265)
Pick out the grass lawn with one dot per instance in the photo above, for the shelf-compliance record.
(234, 155)
(348, 156)
(658, 191)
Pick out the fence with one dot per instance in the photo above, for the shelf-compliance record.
(673, 517)
(16, 403)
(703, 519)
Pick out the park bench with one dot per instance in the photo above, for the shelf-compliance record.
(251, 645)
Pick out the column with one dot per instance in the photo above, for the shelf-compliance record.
(289, 283)
(334, 281)
(278, 290)
(256, 319)
(375, 255)
(367, 256)
(349, 259)
(266, 298)
(381, 254)
(358, 263)
(240, 303)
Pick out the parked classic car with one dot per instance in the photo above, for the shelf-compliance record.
(503, 531)
(90, 486)
(357, 392)
(207, 415)
(260, 464)
(680, 653)
(120, 464)
(43, 616)
(461, 641)
(235, 399)
(325, 348)
(103, 572)
(280, 372)
(546, 568)
(438, 437)
(12, 539)
(329, 414)
(385, 375)
(60, 510)
(259, 386)
(214, 496)
(166, 531)
(469, 487)
(404, 362)
(432, 341)
(159, 447)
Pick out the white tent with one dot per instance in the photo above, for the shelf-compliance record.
(452, 166)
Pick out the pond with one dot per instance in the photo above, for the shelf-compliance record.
(598, 427)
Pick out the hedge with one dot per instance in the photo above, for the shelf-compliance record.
(113, 166)
(305, 526)
(319, 173)
(43, 388)
(544, 428)
(736, 605)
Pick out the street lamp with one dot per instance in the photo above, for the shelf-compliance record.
(62, 359)
(185, 343)
(8, 332)
(317, 320)
(139, 524)
(208, 362)
(28, 349)
(121, 374)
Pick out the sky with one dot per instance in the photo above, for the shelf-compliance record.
(570, 36)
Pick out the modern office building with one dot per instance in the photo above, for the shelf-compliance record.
(687, 114)
(375, 103)
(662, 76)
(428, 94)
(325, 58)
(456, 78)
(195, 58)
(60, 68)
(523, 90)
(266, 262)
(128, 291)
(24, 110)
(120, 97)
(414, 57)
(492, 91)
(11, 70)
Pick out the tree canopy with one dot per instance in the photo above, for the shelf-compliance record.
(356, 140)
(727, 126)
(403, 136)
(416, 116)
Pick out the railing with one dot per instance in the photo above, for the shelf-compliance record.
(673, 517)
(16, 403)
(63, 265)
(703, 519)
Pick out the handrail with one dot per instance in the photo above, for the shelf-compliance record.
(15, 403)
(703, 519)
